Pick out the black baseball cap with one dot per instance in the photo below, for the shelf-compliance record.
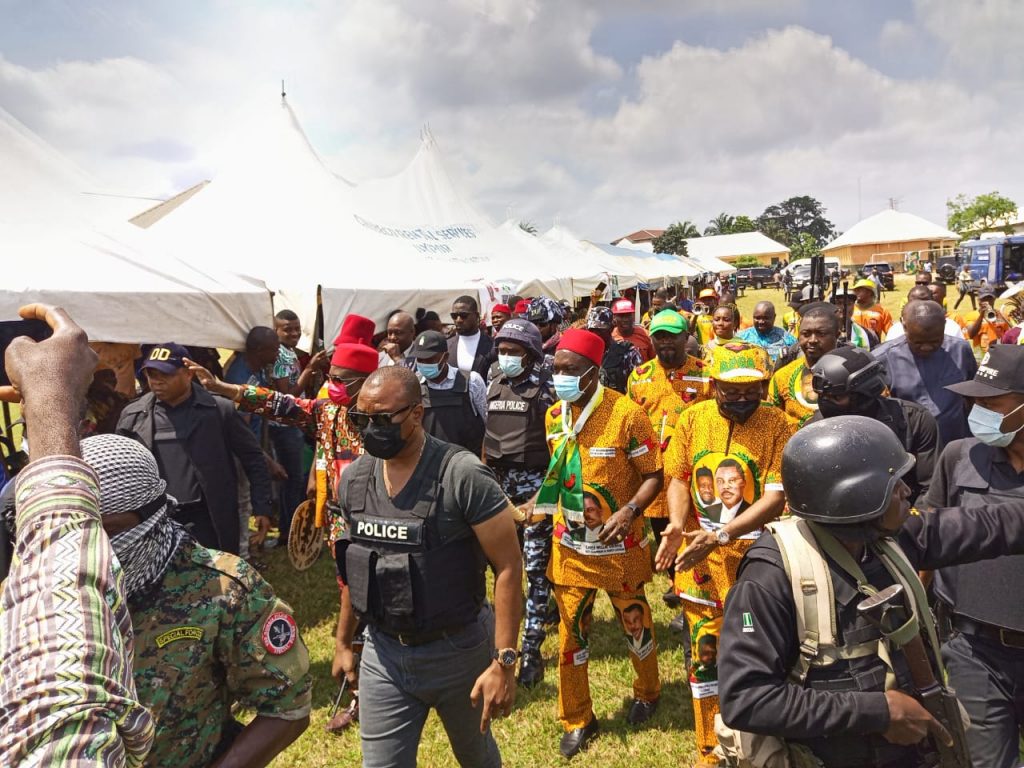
(166, 358)
(429, 344)
(1001, 370)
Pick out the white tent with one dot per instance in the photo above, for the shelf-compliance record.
(654, 267)
(620, 268)
(115, 287)
(891, 226)
(714, 249)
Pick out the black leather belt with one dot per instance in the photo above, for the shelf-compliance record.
(411, 639)
(1009, 638)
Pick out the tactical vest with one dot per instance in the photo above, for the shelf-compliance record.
(402, 577)
(448, 415)
(515, 435)
(839, 649)
(613, 373)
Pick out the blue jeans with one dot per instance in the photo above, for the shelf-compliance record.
(288, 443)
(399, 685)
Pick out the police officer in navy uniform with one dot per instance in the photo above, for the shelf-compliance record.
(985, 655)
(454, 403)
(424, 519)
(849, 381)
(843, 480)
(518, 396)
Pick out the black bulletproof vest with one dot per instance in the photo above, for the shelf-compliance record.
(863, 674)
(515, 434)
(448, 415)
(401, 575)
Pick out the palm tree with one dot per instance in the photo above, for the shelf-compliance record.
(722, 224)
(528, 227)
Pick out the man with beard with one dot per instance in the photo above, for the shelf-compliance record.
(819, 329)
(665, 387)
(626, 328)
(547, 316)
(209, 632)
(850, 382)
(397, 350)
(469, 350)
(736, 425)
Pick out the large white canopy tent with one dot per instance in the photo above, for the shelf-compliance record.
(62, 245)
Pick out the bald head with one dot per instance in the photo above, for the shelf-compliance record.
(919, 293)
(924, 323)
(401, 330)
(924, 313)
(764, 316)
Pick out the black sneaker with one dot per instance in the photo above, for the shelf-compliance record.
(641, 711)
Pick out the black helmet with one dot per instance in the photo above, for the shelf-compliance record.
(843, 470)
(847, 371)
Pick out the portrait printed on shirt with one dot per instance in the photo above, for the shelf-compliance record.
(703, 672)
(804, 392)
(583, 531)
(637, 624)
(722, 487)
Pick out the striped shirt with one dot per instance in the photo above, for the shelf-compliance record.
(67, 697)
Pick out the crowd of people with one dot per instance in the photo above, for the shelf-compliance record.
(765, 466)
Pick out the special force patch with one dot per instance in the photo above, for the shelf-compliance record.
(279, 633)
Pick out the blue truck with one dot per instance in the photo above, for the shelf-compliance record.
(994, 261)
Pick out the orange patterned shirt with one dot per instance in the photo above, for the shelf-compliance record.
(617, 447)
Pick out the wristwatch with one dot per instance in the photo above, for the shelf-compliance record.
(635, 508)
(506, 657)
(722, 536)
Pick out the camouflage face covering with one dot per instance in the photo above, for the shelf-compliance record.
(130, 482)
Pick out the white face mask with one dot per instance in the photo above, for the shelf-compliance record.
(985, 425)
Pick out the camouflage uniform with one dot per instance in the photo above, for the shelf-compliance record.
(210, 635)
(520, 485)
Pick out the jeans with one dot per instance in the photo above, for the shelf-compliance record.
(989, 681)
(288, 443)
(399, 685)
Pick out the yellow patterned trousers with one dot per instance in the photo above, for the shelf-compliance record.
(575, 607)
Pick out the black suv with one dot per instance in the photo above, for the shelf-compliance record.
(754, 277)
(884, 272)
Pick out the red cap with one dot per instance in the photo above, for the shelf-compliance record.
(622, 307)
(583, 342)
(522, 307)
(356, 329)
(356, 357)
(501, 308)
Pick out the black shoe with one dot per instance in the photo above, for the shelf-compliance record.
(578, 739)
(531, 669)
(671, 599)
(679, 623)
(641, 711)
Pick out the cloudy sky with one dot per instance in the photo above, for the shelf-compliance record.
(604, 116)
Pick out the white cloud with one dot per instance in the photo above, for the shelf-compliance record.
(506, 84)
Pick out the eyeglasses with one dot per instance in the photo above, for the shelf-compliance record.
(460, 315)
(334, 379)
(362, 420)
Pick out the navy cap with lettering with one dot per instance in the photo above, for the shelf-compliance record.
(166, 358)
(1001, 370)
(429, 344)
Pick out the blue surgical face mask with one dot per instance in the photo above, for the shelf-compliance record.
(511, 365)
(429, 371)
(568, 387)
(985, 423)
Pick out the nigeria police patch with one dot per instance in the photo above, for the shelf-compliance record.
(279, 633)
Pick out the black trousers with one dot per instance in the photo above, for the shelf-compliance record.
(989, 681)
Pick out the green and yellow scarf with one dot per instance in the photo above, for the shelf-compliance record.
(563, 483)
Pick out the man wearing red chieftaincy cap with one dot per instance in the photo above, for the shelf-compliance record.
(605, 469)
(323, 418)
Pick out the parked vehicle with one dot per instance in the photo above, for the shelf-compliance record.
(994, 261)
(754, 277)
(800, 270)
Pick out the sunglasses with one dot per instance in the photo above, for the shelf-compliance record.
(342, 380)
(361, 420)
(461, 315)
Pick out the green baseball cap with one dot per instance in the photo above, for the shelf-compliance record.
(669, 320)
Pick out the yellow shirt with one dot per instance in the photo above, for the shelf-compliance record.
(705, 329)
(617, 447)
(728, 467)
(875, 318)
(790, 390)
(664, 395)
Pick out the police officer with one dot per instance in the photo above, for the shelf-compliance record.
(849, 381)
(424, 519)
(518, 396)
(454, 403)
(620, 357)
(810, 669)
(209, 632)
(985, 656)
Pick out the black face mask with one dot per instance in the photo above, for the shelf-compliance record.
(860, 405)
(738, 411)
(383, 442)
